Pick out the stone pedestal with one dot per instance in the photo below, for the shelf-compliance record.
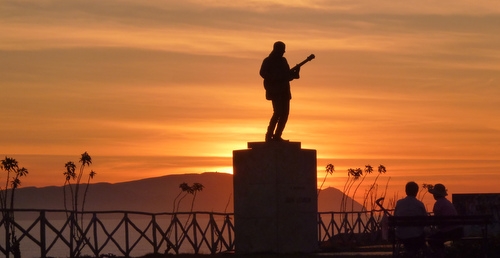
(275, 198)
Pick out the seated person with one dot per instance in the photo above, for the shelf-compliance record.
(413, 237)
(443, 207)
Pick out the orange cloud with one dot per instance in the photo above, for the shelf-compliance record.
(410, 79)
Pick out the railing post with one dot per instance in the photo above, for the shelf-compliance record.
(195, 234)
(212, 239)
(43, 244)
(71, 235)
(176, 233)
(319, 227)
(215, 235)
(332, 223)
(153, 230)
(7, 234)
(127, 244)
(358, 220)
(227, 221)
(94, 228)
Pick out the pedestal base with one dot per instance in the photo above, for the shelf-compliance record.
(275, 198)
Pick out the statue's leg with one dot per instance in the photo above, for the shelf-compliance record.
(283, 110)
(272, 122)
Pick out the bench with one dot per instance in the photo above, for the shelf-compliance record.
(432, 221)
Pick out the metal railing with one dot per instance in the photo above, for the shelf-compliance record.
(350, 228)
(123, 233)
(57, 233)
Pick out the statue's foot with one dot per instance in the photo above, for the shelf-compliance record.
(279, 139)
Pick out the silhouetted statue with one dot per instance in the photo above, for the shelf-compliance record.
(277, 76)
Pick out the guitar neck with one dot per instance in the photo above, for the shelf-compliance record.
(311, 57)
(301, 63)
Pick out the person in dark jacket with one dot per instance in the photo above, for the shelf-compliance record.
(413, 238)
(277, 76)
(443, 207)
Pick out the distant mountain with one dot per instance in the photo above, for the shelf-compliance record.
(156, 195)
(330, 199)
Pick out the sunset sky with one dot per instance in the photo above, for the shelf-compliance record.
(150, 88)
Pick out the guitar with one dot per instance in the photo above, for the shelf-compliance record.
(267, 83)
(309, 58)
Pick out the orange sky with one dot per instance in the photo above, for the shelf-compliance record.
(159, 87)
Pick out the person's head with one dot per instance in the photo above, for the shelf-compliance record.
(411, 189)
(438, 191)
(279, 48)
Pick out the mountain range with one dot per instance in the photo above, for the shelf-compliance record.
(156, 195)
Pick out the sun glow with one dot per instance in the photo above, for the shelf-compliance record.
(175, 88)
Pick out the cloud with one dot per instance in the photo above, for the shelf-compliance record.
(209, 27)
(180, 78)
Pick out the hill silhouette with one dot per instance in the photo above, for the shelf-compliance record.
(156, 195)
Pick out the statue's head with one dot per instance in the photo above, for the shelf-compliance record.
(279, 47)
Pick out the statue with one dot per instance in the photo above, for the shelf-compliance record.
(277, 76)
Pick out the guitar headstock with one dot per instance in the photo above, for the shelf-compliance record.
(310, 57)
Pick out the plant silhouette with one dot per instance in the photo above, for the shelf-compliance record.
(11, 166)
(368, 170)
(185, 191)
(370, 193)
(356, 175)
(329, 169)
(425, 189)
(352, 176)
(71, 174)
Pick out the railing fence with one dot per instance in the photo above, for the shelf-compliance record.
(61, 233)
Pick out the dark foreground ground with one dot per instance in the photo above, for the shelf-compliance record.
(369, 252)
(316, 255)
(464, 249)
